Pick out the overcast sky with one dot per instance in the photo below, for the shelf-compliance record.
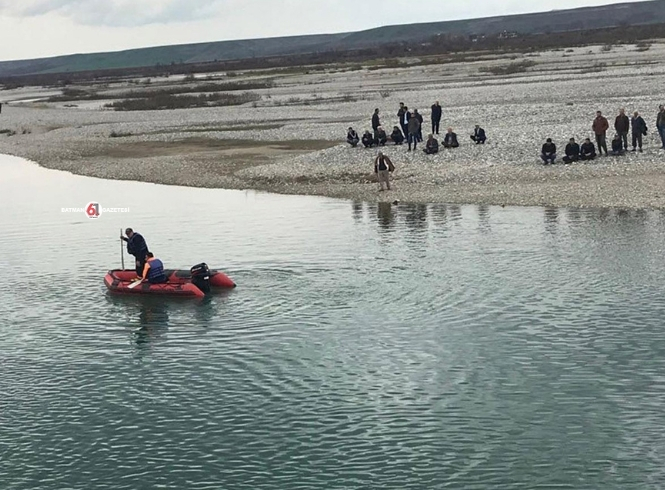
(36, 28)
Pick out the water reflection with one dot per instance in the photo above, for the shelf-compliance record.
(153, 318)
(551, 216)
(484, 216)
(385, 216)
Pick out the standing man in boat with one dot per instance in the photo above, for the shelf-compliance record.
(137, 247)
(153, 271)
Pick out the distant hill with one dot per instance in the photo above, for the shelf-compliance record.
(624, 14)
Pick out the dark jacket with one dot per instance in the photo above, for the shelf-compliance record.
(414, 125)
(549, 149)
(622, 124)
(137, 246)
(400, 114)
(450, 139)
(479, 134)
(352, 136)
(639, 126)
(600, 125)
(406, 117)
(572, 150)
(660, 120)
(432, 145)
(436, 112)
(419, 117)
(397, 135)
(380, 135)
(587, 149)
(375, 121)
(367, 139)
(383, 163)
(617, 145)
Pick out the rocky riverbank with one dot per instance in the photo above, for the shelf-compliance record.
(291, 141)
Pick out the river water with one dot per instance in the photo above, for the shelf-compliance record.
(366, 346)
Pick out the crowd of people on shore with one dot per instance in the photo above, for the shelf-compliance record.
(410, 131)
(636, 126)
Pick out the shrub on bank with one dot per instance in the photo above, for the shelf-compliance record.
(168, 101)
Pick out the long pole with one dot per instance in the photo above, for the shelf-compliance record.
(122, 251)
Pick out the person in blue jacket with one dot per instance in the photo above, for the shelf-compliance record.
(153, 271)
(137, 247)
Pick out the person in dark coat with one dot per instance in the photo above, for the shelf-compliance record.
(450, 139)
(660, 124)
(368, 139)
(587, 150)
(622, 125)
(382, 168)
(548, 152)
(375, 120)
(417, 115)
(432, 145)
(380, 137)
(404, 122)
(400, 113)
(479, 135)
(352, 137)
(137, 247)
(617, 146)
(414, 128)
(437, 112)
(572, 152)
(639, 129)
(600, 127)
(396, 136)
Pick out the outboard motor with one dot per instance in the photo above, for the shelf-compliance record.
(201, 277)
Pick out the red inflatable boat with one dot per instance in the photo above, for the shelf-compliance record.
(179, 283)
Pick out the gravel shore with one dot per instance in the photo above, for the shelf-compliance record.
(292, 140)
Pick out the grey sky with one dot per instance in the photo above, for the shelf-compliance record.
(36, 28)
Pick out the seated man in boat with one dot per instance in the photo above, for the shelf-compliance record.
(153, 271)
(137, 247)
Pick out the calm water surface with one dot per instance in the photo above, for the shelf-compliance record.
(367, 346)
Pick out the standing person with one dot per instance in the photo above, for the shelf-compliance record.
(382, 168)
(414, 129)
(417, 115)
(639, 130)
(622, 125)
(572, 152)
(375, 120)
(437, 112)
(137, 247)
(660, 124)
(600, 127)
(548, 153)
(400, 114)
(404, 122)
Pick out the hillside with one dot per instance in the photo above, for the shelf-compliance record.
(648, 12)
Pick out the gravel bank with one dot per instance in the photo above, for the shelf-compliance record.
(252, 147)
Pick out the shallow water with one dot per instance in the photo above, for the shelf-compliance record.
(406, 347)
